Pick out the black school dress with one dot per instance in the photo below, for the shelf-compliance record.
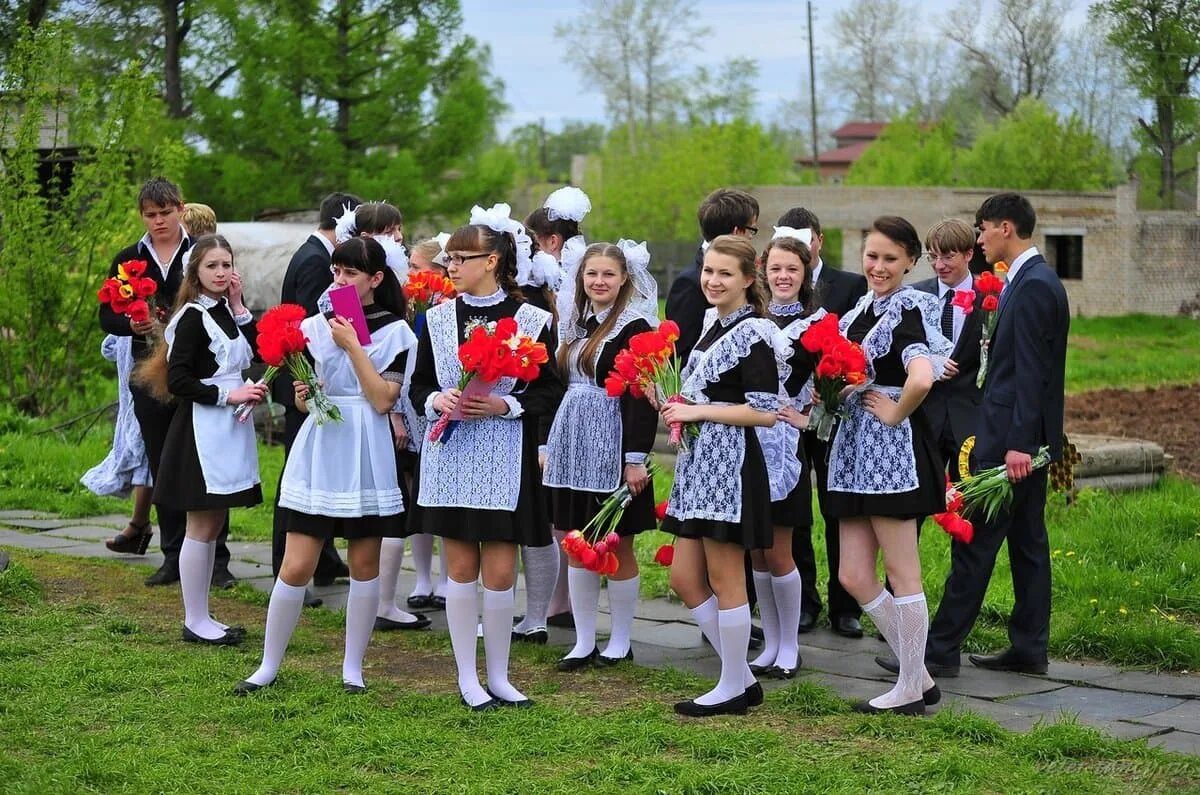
(875, 470)
(734, 362)
(594, 435)
(210, 460)
(484, 483)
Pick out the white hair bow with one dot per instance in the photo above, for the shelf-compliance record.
(569, 203)
(442, 239)
(803, 235)
(495, 218)
(346, 226)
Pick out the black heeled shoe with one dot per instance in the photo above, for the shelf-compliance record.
(231, 637)
(567, 664)
(537, 637)
(524, 703)
(734, 706)
(353, 689)
(136, 544)
(754, 695)
(609, 662)
(246, 687)
(911, 708)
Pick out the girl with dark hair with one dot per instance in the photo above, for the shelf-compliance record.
(731, 385)
(598, 442)
(340, 477)
(210, 460)
(479, 490)
(884, 467)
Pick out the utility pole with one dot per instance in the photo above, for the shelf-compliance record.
(812, 90)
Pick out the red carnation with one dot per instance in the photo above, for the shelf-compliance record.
(965, 300)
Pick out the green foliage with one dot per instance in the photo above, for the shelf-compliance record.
(653, 193)
(546, 156)
(908, 152)
(58, 239)
(1132, 351)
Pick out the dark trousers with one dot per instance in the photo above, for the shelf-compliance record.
(330, 563)
(154, 418)
(1024, 526)
(841, 603)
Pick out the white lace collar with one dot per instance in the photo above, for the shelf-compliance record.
(736, 315)
(880, 305)
(602, 315)
(485, 300)
(208, 302)
(786, 310)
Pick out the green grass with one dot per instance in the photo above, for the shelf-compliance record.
(1132, 351)
(100, 696)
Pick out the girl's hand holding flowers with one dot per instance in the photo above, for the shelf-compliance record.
(482, 406)
(446, 402)
(679, 412)
(636, 478)
(247, 393)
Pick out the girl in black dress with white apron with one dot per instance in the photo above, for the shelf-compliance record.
(210, 460)
(732, 380)
(884, 468)
(340, 477)
(478, 490)
(786, 263)
(598, 442)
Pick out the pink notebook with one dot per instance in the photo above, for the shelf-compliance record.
(346, 304)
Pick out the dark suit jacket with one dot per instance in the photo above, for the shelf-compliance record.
(686, 305)
(1023, 395)
(955, 403)
(838, 291)
(306, 278)
(118, 324)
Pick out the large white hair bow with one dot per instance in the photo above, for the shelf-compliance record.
(495, 218)
(803, 235)
(569, 203)
(346, 226)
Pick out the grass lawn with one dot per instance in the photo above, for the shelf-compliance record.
(101, 696)
(1132, 351)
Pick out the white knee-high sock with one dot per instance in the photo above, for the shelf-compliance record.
(497, 639)
(912, 630)
(622, 603)
(706, 616)
(541, 575)
(462, 613)
(360, 620)
(283, 612)
(885, 615)
(734, 630)
(195, 575)
(391, 558)
(770, 619)
(585, 604)
(787, 604)
(422, 553)
(212, 560)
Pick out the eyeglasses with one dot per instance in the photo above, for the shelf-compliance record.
(929, 255)
(458, 259)
(753, 230)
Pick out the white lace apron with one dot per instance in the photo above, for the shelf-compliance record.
(346, 469)
(226, 448)
(480, 467)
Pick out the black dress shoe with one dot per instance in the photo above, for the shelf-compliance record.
(223, 578)
(575, 663)
(777, 672)
(936, 670)
(231, 638)
(755, 643)
(136, 544)
(490, 704)
(911, 708)
(756, 632)
(1008, 660)
(246, 687)
(808, 622)
(387, 625)
(734, 706)
(312, 600)
(353, 689)
(420, 601)
(437, 602)
(758, 670)
(609, 662)
(932, 696)
(537, 637)
(167, 573)
(562, 620)
(524, 703)
(754, 695)
(847, 627)
(325, 578)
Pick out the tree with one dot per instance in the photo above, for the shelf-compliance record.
(908, 152)
(1160, 42)
(1092, 84)
(723, 95)
(546, 156)
(867, 64)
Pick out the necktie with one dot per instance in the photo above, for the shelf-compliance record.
(948, 316)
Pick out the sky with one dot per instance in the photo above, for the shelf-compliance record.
(541, 83)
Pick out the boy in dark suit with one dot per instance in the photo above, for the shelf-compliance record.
(837, 292)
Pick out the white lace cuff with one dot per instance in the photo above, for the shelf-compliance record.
(222, 396)
(242, 318)
(763, 401)
(636, 458)
(919, 350)
(543, 449)
(430, 412)
(515, 409)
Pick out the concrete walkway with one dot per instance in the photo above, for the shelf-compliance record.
(1126, 704)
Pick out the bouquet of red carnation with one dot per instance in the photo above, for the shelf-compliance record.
(281, 343)
(595, 546)
(665, 554)
(649, 366)
(486, 357)
(130, 293)
(951, 520)
(427, 288)
(991, 286)
(840, 363)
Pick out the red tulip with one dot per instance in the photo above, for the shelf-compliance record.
(660, 510)
(991, 303)
(665, 555)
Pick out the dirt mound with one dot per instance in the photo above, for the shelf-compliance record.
(1165, 415)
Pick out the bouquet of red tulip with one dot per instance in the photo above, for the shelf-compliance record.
(130, 293)
(840, 363)
(427, 288)
(281, 343)
(649, 366)
(595, 545)
(951, 520)
(486, 357)
(990, 285)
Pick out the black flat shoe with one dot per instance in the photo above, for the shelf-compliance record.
(437, 602)
(808, 622)
(167, 574)
(932, 696)
(567, 664)
(353, 689)
(387, 625)
(847, 627)
(911, 708)
(486, 706)
(311, 600)
(759, 670)
(754, 695)
(537, 637)
(524, 703)
(420, 601)
(136, 544)
(936, 670)
(246, 687)
(1007, 660)
(609, 662)
(561, 620)
(223, 578)
(776, 672)
(734, 706)
(230, 638)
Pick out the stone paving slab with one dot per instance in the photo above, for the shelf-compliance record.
(1185, 717)
(1180, 742)
(251, 571)
(1143, 682)
(82, 532)
(21, 540)
(22, 514)
(1072, 672)
(1098, 703)
(978, 683)
(37, 524)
